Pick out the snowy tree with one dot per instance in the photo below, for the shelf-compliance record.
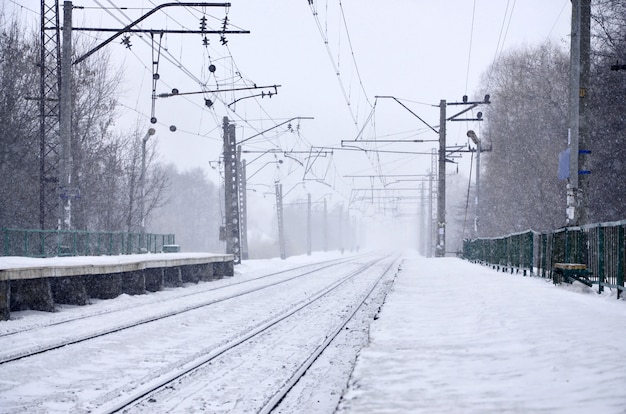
(19, 128)
(526, 126)
(105, 165)
(607, 98)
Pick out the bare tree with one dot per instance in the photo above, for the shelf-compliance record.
(105, 165)
(527, 127)
(19, 138)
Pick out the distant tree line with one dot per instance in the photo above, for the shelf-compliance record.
(526, 127)
(190, 209)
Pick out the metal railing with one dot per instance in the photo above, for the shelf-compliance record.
(514, 252)
(601, 247)
(49, 243)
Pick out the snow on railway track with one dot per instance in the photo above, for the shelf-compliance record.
(263, 366)
(89, 325)
(89, 376)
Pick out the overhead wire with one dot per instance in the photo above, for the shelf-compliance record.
(324, 35)
(565, 2)
(500, 43)
(177, 63)
(167, 54)
(356, 66)
(469, 54)
(238, 71)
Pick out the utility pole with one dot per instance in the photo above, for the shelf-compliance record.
(243, 204)
(472, 135)
(340, 227)
(431, 198)
(49, 91)
(279, 217)
(440, 247)
(142, 180)
(231, 193)
(441, 209)
(56, 106)
(308, 226)
(325, 225)
(65, 124)
(422, 222)
(578, 182)
(477, 199)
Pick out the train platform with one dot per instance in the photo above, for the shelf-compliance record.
(460, 337)
(41, 283)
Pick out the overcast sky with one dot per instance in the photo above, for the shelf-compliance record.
(331, 59)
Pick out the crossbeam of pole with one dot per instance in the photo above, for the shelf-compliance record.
(274, 127)
(160, 31)
(354, 148)
(142, 18)
(408, 109)
(387, 175)
(385, 189)
(279, 151)
(168, 95)
(408, 141)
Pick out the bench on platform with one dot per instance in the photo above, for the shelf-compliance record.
(568, 272)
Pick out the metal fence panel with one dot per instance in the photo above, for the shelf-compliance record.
(49, 243)
(601, 247)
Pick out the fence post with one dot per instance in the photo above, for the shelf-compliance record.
(600, 259)
(543, 253)
(620, 259)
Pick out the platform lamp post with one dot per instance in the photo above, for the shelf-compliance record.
(472, 135)
(142, 179)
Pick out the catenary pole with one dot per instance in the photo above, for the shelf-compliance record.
(243, 204)
(308, 226)
(578, 182)
(65, 118)
(440, 249)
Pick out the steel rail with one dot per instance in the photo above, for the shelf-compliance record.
(145, 392)
(276, 399)
(78, 339)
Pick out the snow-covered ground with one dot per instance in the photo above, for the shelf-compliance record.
(103, 372)
(455, 337)
(452, 337)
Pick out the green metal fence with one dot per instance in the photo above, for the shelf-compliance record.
(49, 243)
(601, 247)
(509, 253)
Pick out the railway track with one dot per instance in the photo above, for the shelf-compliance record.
(12, 348)
(185, 383)
(129, 364)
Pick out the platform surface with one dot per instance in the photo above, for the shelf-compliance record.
(14, 268)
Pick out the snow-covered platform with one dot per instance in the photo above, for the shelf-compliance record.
(456, 337)
(31, 283)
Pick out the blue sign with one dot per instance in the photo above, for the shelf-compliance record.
(564, 164)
